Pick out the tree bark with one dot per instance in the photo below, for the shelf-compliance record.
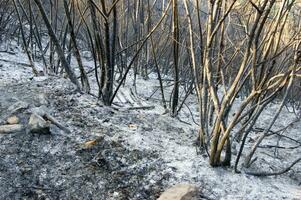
(58, 47)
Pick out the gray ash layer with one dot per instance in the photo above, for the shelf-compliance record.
(59, 165)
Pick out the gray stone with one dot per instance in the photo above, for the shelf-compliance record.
(37, 124)
(13, 120)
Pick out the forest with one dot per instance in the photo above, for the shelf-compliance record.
(150, 99)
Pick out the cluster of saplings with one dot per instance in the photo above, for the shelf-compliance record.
(236, 56)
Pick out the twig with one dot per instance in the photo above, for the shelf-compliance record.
(178, 118)
(15, 63)
(55, 122)
(191, 115)
(141, 108)
(37, 188)
(132, 108)
(275, 173)
(8, 52)
(278, 147)
(256, 7)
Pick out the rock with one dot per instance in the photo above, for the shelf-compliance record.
(13, 109)
(13, 120)
(12, 128)
(37, 124)
(180, 192)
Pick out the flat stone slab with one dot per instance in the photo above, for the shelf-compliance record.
(180, 192)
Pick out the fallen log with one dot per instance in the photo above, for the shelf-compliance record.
(12, 128)
(141, 108)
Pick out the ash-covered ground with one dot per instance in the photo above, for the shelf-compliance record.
(122, 152)
(84, 164)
